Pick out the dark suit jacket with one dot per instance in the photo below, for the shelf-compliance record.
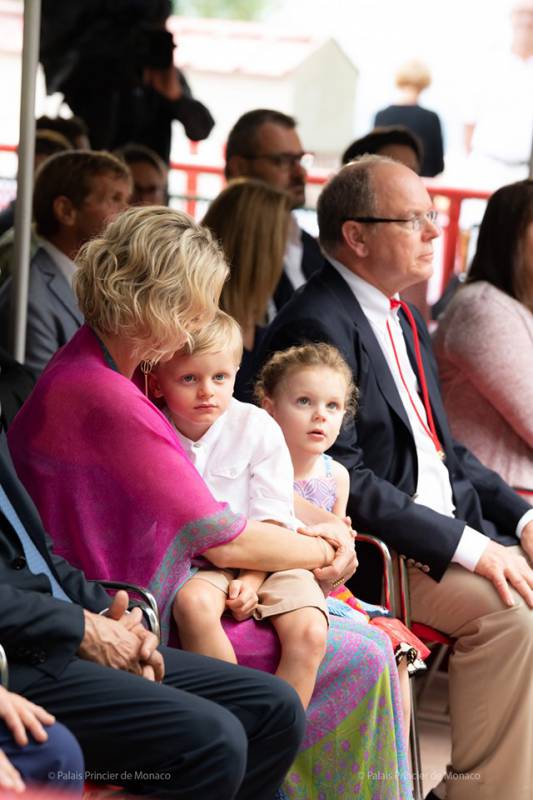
(379, 449)
(39, 633)
(312, 261)
(53, 313)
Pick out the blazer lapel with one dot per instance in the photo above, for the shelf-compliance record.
(370, 343)
(59, 287)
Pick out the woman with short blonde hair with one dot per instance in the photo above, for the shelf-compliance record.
(153, 278)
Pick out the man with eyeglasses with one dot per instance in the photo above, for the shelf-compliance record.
(264, 144)
(466, 536)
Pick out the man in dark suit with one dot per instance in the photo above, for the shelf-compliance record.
(158, 721)
(466, 535)
(264, 144)
(76, 193)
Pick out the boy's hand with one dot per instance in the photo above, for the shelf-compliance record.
(242, 600)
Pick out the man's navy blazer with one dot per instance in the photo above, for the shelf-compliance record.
(312, 261)
(378, 448)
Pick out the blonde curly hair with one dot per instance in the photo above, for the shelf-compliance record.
(154, 276)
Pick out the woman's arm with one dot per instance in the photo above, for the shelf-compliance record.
(262, 545)
(492, 345)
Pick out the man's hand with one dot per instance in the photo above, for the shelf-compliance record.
(153, 666)
(504, 568)
(21, 716)
(9, 776)
(526, 540)
(242, 600)
(109, 642)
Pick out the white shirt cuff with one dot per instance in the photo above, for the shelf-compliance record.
(471, 547)
(528, 517)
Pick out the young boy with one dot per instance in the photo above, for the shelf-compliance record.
(241, 453)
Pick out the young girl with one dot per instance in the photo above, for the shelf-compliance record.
(309, 391)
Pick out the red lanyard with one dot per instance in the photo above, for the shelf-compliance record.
(429, 427)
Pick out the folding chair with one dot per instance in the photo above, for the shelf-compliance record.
(396, 600)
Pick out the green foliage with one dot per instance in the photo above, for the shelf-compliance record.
(222, 9)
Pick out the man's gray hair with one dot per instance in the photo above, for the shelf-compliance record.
(349, 193)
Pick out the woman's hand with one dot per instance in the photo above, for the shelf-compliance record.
(21, 716)
(9, 776)
(345, 561)
(242, 600)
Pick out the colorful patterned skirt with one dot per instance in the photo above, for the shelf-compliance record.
(354, 745)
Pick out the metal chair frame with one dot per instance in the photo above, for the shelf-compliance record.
(396, 600)
(4, 671)
(148, 602)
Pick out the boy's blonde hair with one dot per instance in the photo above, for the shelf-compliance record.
(222, 334)
(282, 363)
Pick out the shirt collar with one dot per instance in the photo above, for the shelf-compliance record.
(375, 304)
(65, 264)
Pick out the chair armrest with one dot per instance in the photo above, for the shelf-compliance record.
(392, 601)
(148, 602)
(4, 673)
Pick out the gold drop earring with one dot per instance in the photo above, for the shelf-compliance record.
(146, 368)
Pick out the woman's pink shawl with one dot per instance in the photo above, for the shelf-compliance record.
(114, 488)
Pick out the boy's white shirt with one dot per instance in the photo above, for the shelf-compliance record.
(244, 460)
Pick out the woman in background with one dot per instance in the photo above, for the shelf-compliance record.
(411, 80)
(484, 342)
(250, 219)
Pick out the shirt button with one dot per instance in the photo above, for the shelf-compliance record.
(196, 445)
(19, 562)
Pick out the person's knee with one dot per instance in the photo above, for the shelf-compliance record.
(193, 602)
(64, 748)
(309, 638)
(216, 740)
(520, 626)
(60, 759)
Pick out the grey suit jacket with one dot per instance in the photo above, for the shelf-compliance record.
(53, 313)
